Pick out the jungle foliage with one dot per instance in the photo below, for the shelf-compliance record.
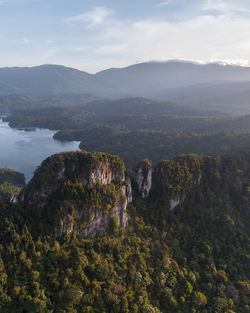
(194, 259)
(11, 183)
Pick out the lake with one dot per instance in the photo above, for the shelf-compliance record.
(24, 150)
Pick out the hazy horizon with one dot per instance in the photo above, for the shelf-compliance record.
(222, 63)
(96, 35)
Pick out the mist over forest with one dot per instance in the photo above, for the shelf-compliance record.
(152, 110)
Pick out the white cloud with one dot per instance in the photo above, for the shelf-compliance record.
(78, 49)
(222, 35)
(224, 7)
(163, 3)
(94, 17)
(205, 38)
(26, 40)
(111, 49)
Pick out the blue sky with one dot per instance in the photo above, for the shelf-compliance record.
(93, 35)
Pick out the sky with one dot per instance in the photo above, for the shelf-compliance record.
(93, 35)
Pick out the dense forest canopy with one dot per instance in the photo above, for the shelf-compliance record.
(11, 183)
(91, 233)
(136, 128)
(194, 258)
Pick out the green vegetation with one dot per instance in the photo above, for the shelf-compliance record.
(70, 187)
(138, 128)
(11, 183)
(12, 177)
(133, 146)
(194, 259)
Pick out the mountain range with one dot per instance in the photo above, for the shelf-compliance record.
(183, 82)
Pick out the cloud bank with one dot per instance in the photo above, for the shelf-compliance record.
(94, 17)
(205, 37)
(102, 36)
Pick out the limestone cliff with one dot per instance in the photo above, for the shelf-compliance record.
(80, 191)
(174, 179)
(143, 177)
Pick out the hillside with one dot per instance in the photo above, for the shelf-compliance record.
(79, 192)
(137, 128)
(213, 85)
(11, 183)
(184, 246)
(155, 76)
(230, 96)
(48, 80)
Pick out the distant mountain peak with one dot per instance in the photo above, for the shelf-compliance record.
(142, 79)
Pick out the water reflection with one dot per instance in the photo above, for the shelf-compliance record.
(24, 150)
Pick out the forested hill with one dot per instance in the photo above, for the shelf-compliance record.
(11, 183)
(88, 236)
(46, 80)
(210, 85)
(138, 128)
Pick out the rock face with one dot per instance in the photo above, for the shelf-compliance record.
(80, 191)
(174, 179)
(174, 203)
(143, 177)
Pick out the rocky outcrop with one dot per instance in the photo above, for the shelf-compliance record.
(143, 177)
(129, 192)
(174, 179)
(99, 221)
(13, 199)
(88, 193)
(83, 190)
(174, 203)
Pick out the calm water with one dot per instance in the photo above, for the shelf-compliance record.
(24, 151)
